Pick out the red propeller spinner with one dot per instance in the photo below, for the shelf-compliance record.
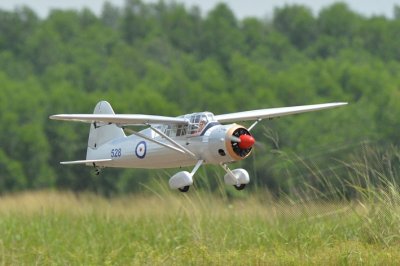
(246, 141)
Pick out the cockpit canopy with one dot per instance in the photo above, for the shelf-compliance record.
(197, 122)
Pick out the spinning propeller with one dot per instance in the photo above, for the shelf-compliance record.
(245, 141)
(242, 141)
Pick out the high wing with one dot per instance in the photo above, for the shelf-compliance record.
(273, 112)
(139, 119)
(121, 119)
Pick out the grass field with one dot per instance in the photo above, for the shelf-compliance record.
(46, 228)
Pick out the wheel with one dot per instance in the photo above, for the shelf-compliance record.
(240, 187)
(184, 189)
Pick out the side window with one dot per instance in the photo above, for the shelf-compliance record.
(181, 130)
(193, 124)
(168, 130)
(171, 130)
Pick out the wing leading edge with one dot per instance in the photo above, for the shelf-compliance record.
(274, 112)
(121, 119)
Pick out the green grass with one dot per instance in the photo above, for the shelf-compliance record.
(170, 228)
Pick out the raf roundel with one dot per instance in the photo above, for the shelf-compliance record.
(141, 150)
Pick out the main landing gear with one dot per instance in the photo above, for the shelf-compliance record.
(237, 177)
(182, 181)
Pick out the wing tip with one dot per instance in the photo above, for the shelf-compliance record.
(329, 105)
(59, 117)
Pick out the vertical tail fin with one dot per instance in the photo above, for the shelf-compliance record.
(101, 133)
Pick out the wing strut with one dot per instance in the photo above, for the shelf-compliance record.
(254, 124)
(157, 142)
(173, 142)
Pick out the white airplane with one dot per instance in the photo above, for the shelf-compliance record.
(172, 142)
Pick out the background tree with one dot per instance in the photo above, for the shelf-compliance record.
(297, 23)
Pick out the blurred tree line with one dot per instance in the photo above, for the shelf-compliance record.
(168, 59)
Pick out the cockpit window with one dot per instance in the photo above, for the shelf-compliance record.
(181, 130)
(197, 123)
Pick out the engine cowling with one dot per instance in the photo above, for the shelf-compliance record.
(239, 142)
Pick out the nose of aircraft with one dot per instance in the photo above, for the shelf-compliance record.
(246, 141)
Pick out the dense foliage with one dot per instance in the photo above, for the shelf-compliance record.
(169, 59)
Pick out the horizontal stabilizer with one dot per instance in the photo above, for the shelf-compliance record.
(87, 161)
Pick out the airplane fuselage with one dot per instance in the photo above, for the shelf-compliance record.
(173, 142)
(213, 146)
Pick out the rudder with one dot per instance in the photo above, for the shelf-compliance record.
(101, 133)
